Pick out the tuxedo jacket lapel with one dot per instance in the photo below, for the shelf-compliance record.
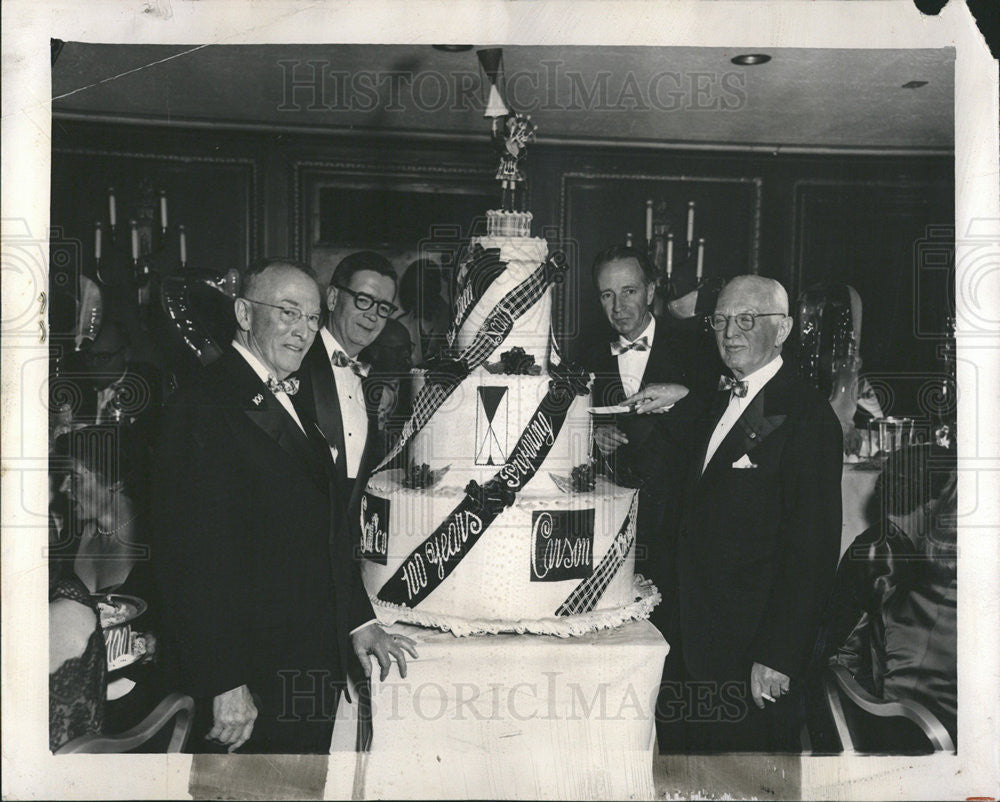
(765, 413)
(265, 411)
(326, 401)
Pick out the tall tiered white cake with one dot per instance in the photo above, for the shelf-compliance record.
(498, 524)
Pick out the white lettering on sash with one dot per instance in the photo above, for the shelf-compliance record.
(443, 546)
(373, 537)
(557, 552)
(521, 462)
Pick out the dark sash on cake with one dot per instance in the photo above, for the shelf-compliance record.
(483, 268)
(446, 374)
(439, 554)
(585, 596)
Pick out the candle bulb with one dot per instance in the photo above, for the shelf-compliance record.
(690, 231)
(701, 258)
(97, 240)
(649, 221)
(184, 252)
(670, 254)
(112, 207)
(163, 209)
(135, 241)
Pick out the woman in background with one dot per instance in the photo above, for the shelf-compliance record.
(99, 548)
(425, 311)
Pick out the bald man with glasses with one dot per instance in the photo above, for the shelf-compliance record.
(261, 596)
(758, 540)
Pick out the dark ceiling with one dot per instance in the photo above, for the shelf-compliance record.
(816, 99)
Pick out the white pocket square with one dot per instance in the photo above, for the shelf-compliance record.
(744, 462)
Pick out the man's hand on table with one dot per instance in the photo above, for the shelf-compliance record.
(766, 683)
(372, 639)
(609, 438)
(235, 714)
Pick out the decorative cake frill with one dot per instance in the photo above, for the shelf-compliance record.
(646, 597)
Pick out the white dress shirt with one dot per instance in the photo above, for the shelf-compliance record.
(265, 374)
(353, 414)
(632, 363)
(755, 383)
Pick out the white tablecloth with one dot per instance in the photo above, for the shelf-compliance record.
(860, 508)
(510, 716)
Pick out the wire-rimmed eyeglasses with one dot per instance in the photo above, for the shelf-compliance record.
(745, 320)
(290, 315)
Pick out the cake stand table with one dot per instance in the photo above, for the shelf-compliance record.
(509, 716)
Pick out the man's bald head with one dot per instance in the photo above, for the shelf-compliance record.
(745, 351)
(764, 291)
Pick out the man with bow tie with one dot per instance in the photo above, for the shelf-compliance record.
(359, 303)
(645, 451)
(261, 594)
(758, 541)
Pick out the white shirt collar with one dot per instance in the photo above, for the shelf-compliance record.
(756, 380)
(331, 343)
(647, 332)
(258, 367)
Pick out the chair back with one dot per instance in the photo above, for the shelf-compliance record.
(175, 707)
(868, 725)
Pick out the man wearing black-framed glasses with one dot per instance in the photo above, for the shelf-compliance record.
(359, 300)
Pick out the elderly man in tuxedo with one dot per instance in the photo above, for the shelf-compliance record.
(261, 595)
(359, 303)
(759, 538)
(645, 359)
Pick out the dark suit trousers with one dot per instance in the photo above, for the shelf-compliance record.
(296, 702)
(700, 716)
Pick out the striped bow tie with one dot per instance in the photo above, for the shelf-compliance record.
(289, 386)
(342, 360)
(738, 388)
(642, 344)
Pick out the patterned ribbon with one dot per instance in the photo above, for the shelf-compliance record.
(482, 269)
(585, 596)
(491, 334)
(439, 554)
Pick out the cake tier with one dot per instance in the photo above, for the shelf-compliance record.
(501, 223)
(562, 563)
(473, 432)
(531, 331)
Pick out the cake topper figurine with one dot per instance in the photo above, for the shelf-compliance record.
(510, 132)
(510, 136)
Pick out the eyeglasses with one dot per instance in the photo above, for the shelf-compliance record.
(364, 302)
(290, 315)
(745, 320)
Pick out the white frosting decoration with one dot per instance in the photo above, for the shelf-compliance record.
(504, 578)
(646, 597)
(543, 554)
(462, 437)
(523, 255)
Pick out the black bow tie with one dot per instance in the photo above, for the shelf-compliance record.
(342, 360)
(288, 386)
(738, 388)
(642, 344)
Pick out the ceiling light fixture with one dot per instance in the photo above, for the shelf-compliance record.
(751, 59)
(453, 48)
